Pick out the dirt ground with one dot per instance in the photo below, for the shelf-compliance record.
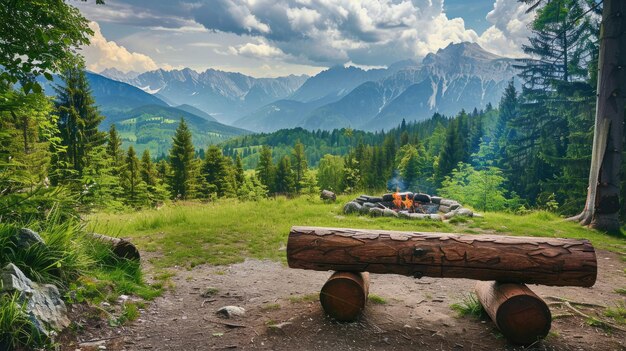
(416, 315)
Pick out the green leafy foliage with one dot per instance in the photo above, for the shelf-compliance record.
(469, 306)
(39, 38)
(16, 330)
(481, 189)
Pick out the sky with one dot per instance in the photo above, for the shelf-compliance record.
(270, 38)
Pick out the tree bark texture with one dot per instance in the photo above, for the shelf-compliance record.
(121, 248)
(603, 200)
(533, 260)
(344, 295)
(521, 315)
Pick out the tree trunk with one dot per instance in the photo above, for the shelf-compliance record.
(557, 262)
(344, 295)
(521, 316)
(120, 247)
(603, 194)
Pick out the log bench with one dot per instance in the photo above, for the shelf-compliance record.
(501, 264)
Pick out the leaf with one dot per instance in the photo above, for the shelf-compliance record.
(48, 76)
(37, 88)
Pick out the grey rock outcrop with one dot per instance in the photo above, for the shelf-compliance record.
(26, 238)
(43, 302)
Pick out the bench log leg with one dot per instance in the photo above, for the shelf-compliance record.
(344, 295)
(521, 315)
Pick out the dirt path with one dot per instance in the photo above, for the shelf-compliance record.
(416, 316)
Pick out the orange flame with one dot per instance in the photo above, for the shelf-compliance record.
(408, 203)
(397, 200)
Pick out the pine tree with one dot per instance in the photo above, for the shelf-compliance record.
(285, 177)
(240, 176)
(181, 180)
(300, 165)
(265, 170)
(148, 170)
(114, 146)
(134, 186)
(216, 172)
(78, 119)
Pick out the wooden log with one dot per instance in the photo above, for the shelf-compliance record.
(344, 295)
(533, 260)
(121, 248)
(521, 315)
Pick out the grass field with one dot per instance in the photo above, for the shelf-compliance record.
(228, 231)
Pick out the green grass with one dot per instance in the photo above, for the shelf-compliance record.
(469, 306)
(304, 298)
(16, 330)
(228, 231)
(376, 300)
(617, 313)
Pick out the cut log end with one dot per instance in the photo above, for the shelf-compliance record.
(521, 315)
(344, 295)
(120, 247)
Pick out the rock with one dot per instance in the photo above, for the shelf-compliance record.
(403, 214)
(418, 216)
(27, 237)
(478, 215)
(43, 302)
(451, 204)
(365, 208)
(430, 208)
(435, 217)
(444, 209)
(369, 205)
(464, 212)
(328, 195)
(351, 207)
(376, 212)
(450, 214)
(389, 213)
(423, 198)
(435, 200)
(231, 311)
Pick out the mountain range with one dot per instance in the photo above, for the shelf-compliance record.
(145, 121)
(459, 76)
(224, 95)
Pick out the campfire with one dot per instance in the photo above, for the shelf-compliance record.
(407, 205)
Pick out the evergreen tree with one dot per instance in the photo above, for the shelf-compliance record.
(114, 146)
(148, 170)
(134, 186)
(285, 177)
(216, 172)
(78, 119)
(300, 165)
(265, 170)
(447, 157)
(240, 177)
(181, 180)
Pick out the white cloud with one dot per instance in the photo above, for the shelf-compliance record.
(260, 50)
(509, 30)
(102, 54)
